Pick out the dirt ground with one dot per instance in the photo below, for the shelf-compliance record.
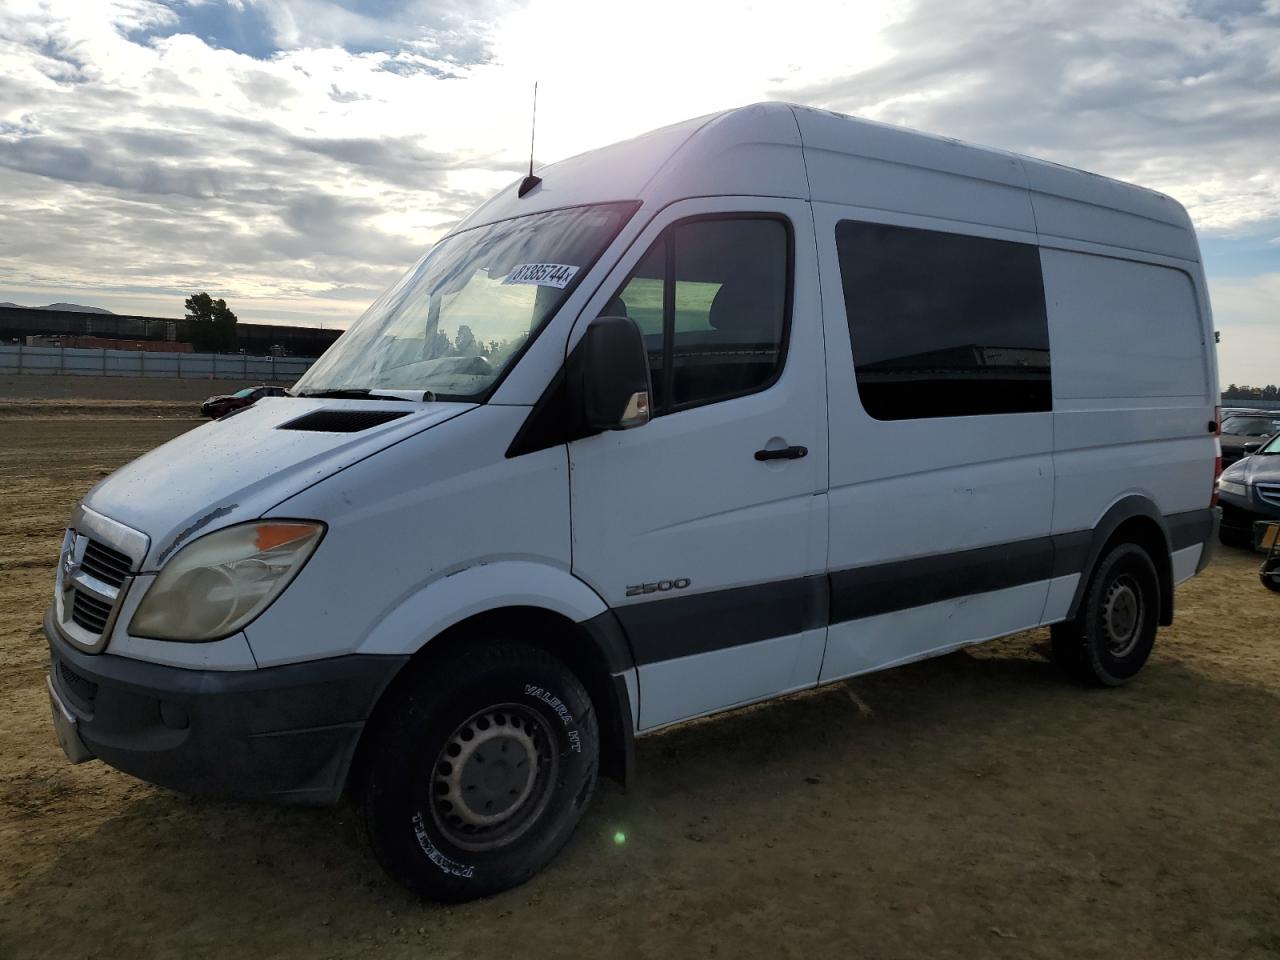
(972, 806)
(68, 395)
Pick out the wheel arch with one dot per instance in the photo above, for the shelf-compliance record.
(505, 599)
(1132, 519)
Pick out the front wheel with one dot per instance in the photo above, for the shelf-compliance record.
(1111, 637)
(480, 771)
(1269, 574)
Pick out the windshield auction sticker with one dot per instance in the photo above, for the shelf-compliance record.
(542, 274)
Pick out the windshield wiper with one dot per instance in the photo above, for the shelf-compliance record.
(351, 393)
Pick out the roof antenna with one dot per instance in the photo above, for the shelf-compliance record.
(529, 182)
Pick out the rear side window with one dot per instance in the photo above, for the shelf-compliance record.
(711, 298)
(944, 325)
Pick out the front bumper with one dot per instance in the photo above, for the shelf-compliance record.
(1239, 513)
(285, 734)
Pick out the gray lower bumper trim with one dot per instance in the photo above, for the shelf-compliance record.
(284, 733)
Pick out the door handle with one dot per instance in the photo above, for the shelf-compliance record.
(782, 453)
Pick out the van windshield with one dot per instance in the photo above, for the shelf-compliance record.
(458, 319)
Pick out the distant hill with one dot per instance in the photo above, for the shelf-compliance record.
(74, 307)
(78, 308)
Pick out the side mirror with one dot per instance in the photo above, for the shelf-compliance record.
(609, 370)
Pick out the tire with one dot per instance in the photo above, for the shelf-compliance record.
(1111, 637)
(1270, 577)
(441, 822)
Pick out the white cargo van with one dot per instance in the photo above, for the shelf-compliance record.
(746, 405)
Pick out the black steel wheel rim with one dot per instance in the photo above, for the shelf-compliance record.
(493, 778)
(1123, 616)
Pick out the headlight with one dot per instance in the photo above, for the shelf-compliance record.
(214, 586)
(1232, 486)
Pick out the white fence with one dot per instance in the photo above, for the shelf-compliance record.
(144, 363)
(1253, 404)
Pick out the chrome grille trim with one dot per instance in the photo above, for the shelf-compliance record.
(91, 586)
(104, 564)
(1268, 493)
(98, 562)
(112, 533)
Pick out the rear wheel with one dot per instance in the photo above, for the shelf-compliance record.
(1111, 637)
(480, 772)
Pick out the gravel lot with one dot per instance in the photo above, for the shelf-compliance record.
(38, 387)
(972, 806)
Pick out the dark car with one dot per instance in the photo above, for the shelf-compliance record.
(1250, 491)
(1244, 433)
(222, 405)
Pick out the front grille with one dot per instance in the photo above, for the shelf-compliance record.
(80, 688)
(89, 612)
(99, 559)
(109, 566)
(1269, 493)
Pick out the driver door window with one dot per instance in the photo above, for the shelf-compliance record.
(711, 298)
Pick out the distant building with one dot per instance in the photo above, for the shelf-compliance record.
(18, 323)
(103, 343)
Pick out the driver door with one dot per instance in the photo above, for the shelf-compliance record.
(705, 529)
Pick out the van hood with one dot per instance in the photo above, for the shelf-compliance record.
(238, 468)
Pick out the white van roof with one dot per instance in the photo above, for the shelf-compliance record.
(786, 150)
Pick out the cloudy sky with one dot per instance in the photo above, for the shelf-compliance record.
(294, 156)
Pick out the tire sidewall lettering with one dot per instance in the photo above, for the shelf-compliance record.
(560, 709)
(433, 853)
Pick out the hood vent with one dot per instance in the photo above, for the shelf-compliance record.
(342, 421)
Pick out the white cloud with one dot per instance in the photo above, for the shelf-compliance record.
(295, 155)
(1247, 311)
(1180, 96)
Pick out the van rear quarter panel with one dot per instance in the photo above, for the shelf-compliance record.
(1133, 384)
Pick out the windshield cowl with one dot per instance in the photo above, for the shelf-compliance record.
(364, 393)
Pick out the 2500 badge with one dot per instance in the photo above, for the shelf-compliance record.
(662, 586)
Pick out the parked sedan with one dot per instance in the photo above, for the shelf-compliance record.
(1244, 433)
(1249, 491)
(222, 405)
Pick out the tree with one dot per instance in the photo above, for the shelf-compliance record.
(1247, 393)
(464, 342)
(212, 324)
(438, 345)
